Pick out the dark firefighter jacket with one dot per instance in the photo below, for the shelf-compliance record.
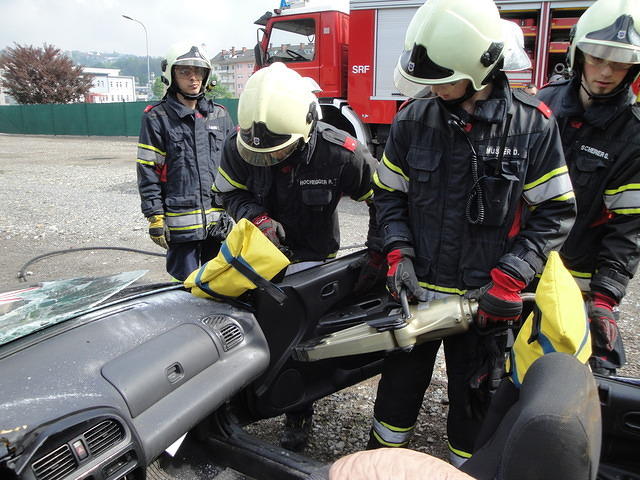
(303, 192)
(602, 150)
(425, 179)
(178, 155)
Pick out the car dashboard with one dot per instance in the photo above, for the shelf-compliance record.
(103, 393)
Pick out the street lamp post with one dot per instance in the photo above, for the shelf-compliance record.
(146, 39)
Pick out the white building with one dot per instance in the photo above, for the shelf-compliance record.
(5, 98)
(109, 86)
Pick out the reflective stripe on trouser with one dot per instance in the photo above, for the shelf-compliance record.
(391, 436)
(406, 376)
(457, 457)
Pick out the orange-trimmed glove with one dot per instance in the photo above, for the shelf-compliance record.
(604, 328)
(271, 229)
(402, 275)
(501, 300)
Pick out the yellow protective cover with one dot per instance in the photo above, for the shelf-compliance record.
(218, 278)
(559, 325)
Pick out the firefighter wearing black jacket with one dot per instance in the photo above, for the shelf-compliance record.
(472, 191)
(178, 154)
(286, 171)
(600, 132)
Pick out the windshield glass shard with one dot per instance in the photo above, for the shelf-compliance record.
(28, 310)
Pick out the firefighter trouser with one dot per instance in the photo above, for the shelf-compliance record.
(405, 378)
(184, 258)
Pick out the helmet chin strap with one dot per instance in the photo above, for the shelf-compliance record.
(191, 96)
(469, 92)
(605, 96)
(624, 85)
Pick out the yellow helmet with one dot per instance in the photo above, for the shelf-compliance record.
(277, 111)
(447, 41)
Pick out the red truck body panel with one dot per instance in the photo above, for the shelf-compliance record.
(344, 64)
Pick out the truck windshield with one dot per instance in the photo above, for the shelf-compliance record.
(25, 311)
(293, 41)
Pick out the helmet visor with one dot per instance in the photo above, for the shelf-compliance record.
(417, 63)
(610, 53)
(515, 56)
(408, 87)
(264, 158)
(192, 62)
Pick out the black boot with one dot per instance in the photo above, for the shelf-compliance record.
(373, 442)
(296, 431)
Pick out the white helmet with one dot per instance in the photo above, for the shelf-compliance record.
(608, 29)
(277, 113)
(186, 54)
(447, 41)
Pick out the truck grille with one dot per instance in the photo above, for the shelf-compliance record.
(226, 329)
(102, 436)
(55, 465)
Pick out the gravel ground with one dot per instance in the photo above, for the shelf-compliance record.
(70, 192)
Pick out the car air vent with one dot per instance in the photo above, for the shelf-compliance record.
(55, 465)
(226, 329)
(103, 435)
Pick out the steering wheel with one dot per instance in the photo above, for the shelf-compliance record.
(296, 55)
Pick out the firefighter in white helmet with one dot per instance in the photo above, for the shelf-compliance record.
(286, 170)
(178, 154)
(472, 193)
(599, 127)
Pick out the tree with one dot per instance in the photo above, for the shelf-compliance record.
(219, 91)
(158, 88)
(42, 75)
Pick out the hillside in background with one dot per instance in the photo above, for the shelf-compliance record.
(128, 64)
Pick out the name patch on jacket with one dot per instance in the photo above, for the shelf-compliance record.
(495, 150)
(318, 181)
(594, 151)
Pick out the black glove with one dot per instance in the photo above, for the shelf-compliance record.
(489, 364)
(271, 229)
(221, 228)
(604, 329)
(501, 301)
(373, 270)
(402, 275)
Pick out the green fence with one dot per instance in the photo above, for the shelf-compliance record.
(100, 119)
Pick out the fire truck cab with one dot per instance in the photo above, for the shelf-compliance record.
(351, 47)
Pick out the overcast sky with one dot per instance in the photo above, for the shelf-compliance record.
(97, 25)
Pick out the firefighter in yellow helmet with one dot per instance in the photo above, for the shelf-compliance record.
(600, 128)
(472, 193)
(178, 154)
(286, 170)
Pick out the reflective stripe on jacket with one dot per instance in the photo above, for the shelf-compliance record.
(178, 153)
(425, 180)
(602, 150)
(301, 193)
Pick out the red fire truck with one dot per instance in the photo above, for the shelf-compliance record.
(351, 48)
